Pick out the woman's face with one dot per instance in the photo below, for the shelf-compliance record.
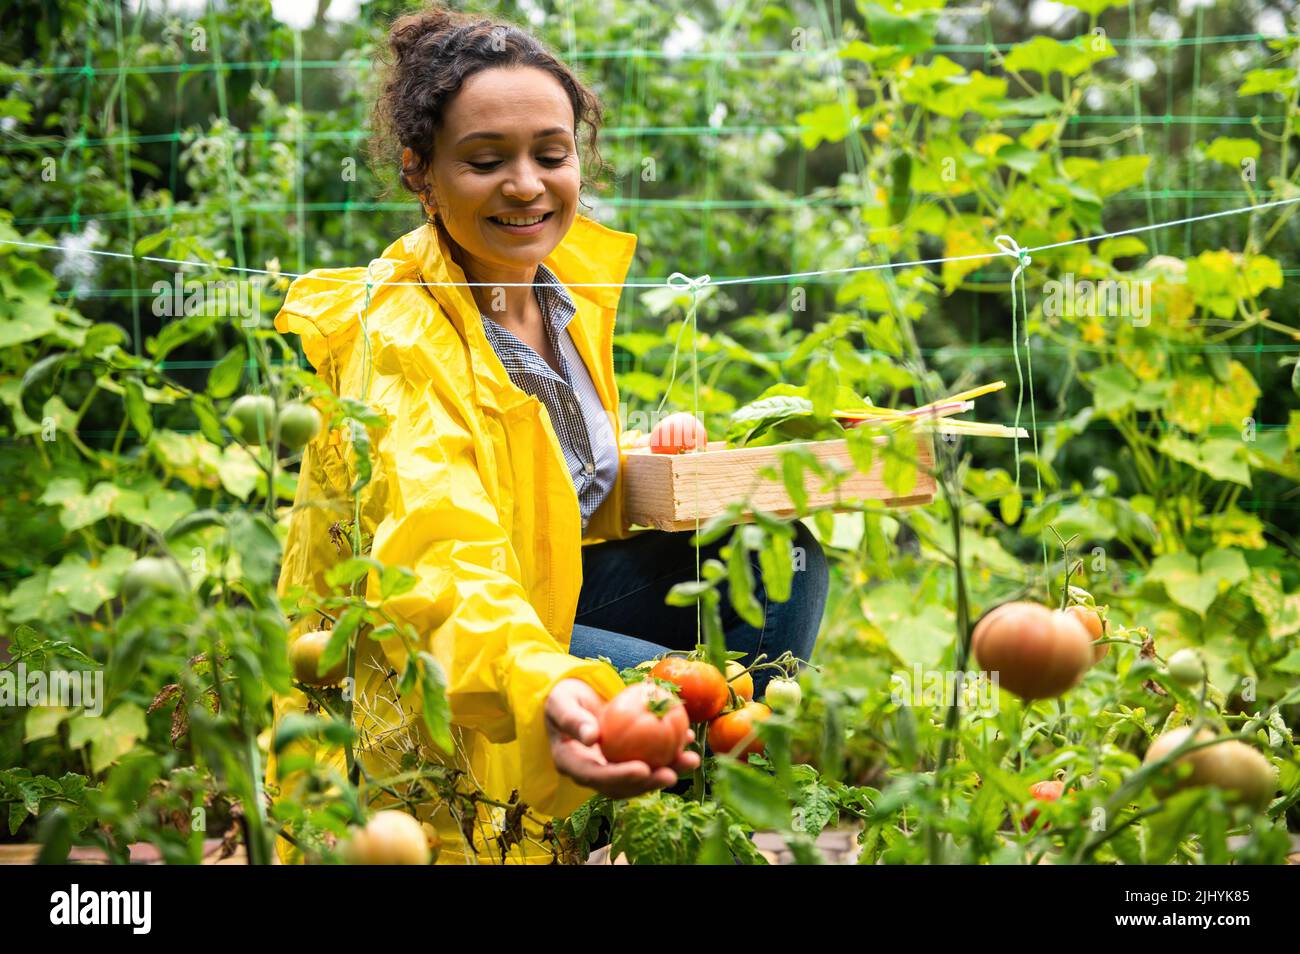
(506, 150)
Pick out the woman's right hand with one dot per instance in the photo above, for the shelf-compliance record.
(572, 722)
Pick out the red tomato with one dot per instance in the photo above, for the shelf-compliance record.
(644, 722)
(703, 690)
(677, 433)
(732, 729)
(1037, 653)
(1043, 792)
(1095, 627)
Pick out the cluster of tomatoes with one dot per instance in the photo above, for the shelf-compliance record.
(252, 416)
(650, 723)
(1039, 653)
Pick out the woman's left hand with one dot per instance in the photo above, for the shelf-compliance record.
(572, 722)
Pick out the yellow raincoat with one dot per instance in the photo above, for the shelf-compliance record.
(471, 491)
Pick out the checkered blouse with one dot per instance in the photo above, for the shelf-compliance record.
(584, 430)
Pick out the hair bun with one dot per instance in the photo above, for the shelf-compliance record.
(413, 31)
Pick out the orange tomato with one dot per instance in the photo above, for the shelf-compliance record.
(1091, 621)
(731, 730)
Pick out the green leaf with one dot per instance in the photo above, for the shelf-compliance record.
(436, 710)
(1019, 158)
(137, 409)
(209, 421)
(350, 570)
(197, 520)
(862, 448)
(1176, 822)
(396, 580)
(900, 469)
(1221, 457)
(1094, 7)
(1044, 55)
(336, 650)
(775, 561)
(792, 474)
(111, 736)
(753, 796)
(43, 722)
(227, 373)
(912, 34)
(1009, 505)
(259, 547)
(917, 631)
(740, 580)
(1267, 81)
(1196, 584)
(85, 586)
(1231, 151)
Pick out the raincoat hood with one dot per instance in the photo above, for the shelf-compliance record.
(469, 489)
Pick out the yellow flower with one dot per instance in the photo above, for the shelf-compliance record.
(1093, 332)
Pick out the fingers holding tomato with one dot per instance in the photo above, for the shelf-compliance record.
(645, 722)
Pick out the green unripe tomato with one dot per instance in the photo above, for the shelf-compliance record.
(783, 695)
(1186, 667)
(153, 575)
(299, 423)
(243, 416)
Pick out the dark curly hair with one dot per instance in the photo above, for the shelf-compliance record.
(433, 52)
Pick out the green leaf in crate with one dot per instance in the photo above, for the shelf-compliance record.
(900, 469)
(792, 474)
(862, 448)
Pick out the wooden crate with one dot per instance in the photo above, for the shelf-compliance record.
(672, 491)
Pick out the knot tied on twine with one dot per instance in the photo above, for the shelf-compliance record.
(1009, 246)
(686, 283)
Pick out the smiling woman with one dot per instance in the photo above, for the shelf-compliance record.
(498, 478)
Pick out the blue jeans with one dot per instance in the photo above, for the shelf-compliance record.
(622, 614)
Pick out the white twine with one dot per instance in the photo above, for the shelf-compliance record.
(688, 283)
